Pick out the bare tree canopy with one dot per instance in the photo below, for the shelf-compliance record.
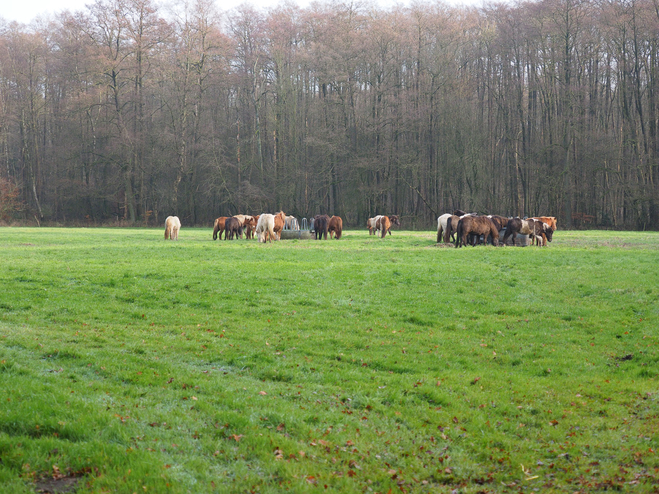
(127, 112)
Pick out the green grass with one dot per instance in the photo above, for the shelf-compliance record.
(359, 365)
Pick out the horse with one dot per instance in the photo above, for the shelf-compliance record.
(218, 226)
(451, 228)
(280, 220)
(232, 227)
(478, 225)
(371, 224)
(265, 228)
(499, 221)
(384, 224)
(335, 225)
(320, 226)
(442, 225)
(539, 231)
(534, 228)
(551, 222)
(172, 226)
(243, 218)
(250, 226)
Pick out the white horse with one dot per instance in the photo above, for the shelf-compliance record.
(265, 228)
(172, 226)
(373, 225)
(441, 225)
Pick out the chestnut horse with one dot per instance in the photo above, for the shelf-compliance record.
(280, 221)
(250, 226)
(172, 226)
(335, 225)
(384, 224)
(218, 226)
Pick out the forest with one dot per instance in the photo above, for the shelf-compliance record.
(129, 111)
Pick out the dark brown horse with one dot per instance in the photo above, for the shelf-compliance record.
(451, 229)
(320, 226)
(499, 221)
(232, 227)
(478, 225)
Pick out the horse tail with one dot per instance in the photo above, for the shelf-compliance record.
(458, 240)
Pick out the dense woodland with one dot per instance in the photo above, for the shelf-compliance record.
(127, 112)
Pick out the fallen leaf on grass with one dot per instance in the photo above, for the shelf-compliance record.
(237, 437)
(262, 393)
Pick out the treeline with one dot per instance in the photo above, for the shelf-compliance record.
(129, 112)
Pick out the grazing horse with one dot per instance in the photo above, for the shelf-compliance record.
(441, 225)
(335, 225)
(478, 225)
(320, 226)
(243, 218)
(218, 226)
(371, 224)
(172, 226)
(499, 221)
(538, 230)
(451, 228)
(250, 226)
(265, 228)
(280, 220)
(531, 227)
(551, 222)
(384, 224)
(232, 227)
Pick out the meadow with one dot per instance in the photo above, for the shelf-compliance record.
(133, 364)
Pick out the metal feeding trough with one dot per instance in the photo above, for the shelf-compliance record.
(520, 240)
(293, 229)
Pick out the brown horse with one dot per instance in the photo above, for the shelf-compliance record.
(335, 225)
(321, 225)
(218, 226)
(250, 226)
(551, 222)
(451, 228)
(232, 227)
(280, 221)
(499, 221)
(384, 224)
(478, 225)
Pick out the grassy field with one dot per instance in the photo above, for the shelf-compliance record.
(132, 364)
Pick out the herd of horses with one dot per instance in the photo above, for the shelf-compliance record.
(470, 228)
(268, 227)
(458, 227)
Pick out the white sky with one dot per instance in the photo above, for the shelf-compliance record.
(24, 11)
